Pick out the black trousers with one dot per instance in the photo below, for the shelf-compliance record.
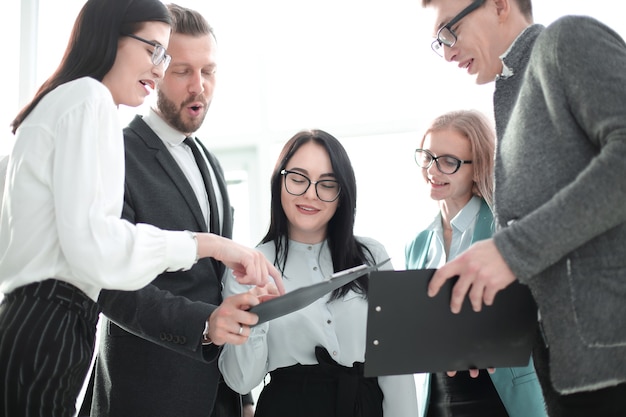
(606, 402)
(47, 336)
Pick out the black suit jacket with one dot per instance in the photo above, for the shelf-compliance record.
(151, 361)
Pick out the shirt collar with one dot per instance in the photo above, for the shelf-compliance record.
(508, 65)
(164, 131)
(464, 219)
(506, 71)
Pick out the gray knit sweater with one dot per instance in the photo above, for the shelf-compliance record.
(560, 197)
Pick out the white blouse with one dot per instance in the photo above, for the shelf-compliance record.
(339, 326)
(60, 214)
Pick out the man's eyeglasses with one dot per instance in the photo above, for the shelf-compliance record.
(445, 35)
(159, 54)
(298, 184)
(447, 164)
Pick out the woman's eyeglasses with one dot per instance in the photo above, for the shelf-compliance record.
(159, 54)
(447, 164)
(298, 184)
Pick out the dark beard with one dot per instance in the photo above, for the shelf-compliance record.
(172, 114)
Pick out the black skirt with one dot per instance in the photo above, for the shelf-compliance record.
(324, 390)
(464, 396)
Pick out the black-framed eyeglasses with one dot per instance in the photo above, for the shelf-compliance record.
(445, 35)
(298, 184)
(447, 164)
(159, 53)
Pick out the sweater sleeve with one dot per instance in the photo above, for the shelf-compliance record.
(575, 80)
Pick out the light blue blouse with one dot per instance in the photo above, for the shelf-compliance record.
(339, 326)
(463, 225)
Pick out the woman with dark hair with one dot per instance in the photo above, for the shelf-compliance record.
(315, 356)
(61, 237)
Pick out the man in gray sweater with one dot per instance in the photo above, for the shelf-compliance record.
(560, 187)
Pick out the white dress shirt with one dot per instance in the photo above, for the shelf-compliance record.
(60, 216)
(182, 154)
(4, 162)
(338, 326)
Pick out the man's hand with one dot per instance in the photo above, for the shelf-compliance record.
(230, 322)
(482, 272)
(249, 266)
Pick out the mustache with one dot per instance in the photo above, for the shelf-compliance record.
(195, 99)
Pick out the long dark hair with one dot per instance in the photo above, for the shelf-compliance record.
(92, 46)
(345, 250)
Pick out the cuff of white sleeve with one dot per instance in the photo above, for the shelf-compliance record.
(182, 250)
(206, 340)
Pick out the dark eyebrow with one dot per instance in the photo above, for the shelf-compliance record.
(306, 173)
(298, 170)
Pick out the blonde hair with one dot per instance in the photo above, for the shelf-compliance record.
(475, 126)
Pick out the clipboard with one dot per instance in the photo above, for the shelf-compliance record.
(409, 332)
(304, 296)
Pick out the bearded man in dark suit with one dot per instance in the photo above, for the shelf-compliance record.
(159, 344)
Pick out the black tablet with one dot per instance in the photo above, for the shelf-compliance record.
(304, 296)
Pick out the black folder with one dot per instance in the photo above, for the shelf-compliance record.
(302, 297)
(409, 332)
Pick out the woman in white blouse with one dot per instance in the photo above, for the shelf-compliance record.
(315, 356)
(61, 236)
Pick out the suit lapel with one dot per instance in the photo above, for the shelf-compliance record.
(484, 228)
(170, 167)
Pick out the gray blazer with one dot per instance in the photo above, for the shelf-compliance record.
(166, 371)
(560, 198)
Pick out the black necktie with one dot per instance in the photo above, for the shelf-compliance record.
(208, 184)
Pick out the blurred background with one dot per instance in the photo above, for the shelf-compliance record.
(362, 70)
